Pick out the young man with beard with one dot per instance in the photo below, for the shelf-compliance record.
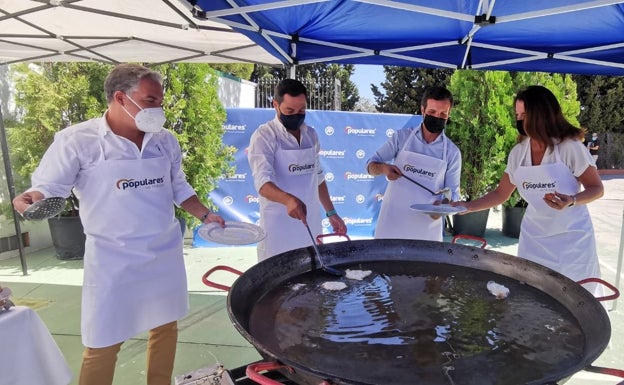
(283, 155)
(425, 155)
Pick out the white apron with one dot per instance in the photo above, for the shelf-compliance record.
(396, 219)
(562, 240)
(134, 275)
(295, 172)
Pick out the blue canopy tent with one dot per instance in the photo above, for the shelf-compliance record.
(565, 36)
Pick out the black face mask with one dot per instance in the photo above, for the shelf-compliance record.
(292, 122)
(434, 125)
(520, 127)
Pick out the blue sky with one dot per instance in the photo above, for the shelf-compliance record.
(364, 75)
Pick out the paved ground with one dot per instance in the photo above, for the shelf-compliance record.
(53, 289)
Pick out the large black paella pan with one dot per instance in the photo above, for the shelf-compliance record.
(424, 315)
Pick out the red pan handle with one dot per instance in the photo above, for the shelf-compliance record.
(471, 237)
(321, 236)
(253, 370)
(608, 371)
(207, 282)
(616, 292)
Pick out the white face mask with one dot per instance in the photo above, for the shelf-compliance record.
(148, 119)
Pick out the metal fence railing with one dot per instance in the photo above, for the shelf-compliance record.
(323, 94)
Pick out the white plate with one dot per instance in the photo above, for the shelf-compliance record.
(443, 209)
(234, 233)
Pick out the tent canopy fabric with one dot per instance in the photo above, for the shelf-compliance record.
(566, 36)
(116, 31)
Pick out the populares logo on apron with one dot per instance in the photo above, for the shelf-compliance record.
(419, 171)
(124, 184)
(539, 186)
(294, 168)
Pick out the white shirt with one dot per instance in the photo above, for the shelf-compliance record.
(389, 150)
(79, 147)
(267, 139)
(572, 152)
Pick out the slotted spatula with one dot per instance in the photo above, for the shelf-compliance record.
(44, 209)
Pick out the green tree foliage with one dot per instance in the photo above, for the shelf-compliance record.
(562, 86)
(240, 70)
(483, 127)
(262, 71)
(601, 102)
(48, 98)
(349, 92)
(196, 116)
(404, 87)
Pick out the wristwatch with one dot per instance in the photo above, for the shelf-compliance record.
(573, 201)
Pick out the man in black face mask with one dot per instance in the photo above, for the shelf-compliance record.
(283, 155)
(425, 155)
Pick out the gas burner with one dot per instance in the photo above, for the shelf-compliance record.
(218, 375)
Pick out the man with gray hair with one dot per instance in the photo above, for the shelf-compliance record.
(127, 172)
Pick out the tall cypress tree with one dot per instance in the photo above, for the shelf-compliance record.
(404, 87)
(601, 102)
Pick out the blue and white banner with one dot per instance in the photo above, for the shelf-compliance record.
(347, 140)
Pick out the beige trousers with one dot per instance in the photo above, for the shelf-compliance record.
(98, 364)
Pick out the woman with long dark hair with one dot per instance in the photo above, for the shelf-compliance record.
(555, 174)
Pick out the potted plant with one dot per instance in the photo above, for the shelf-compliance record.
(512, 214)
(483, 129)
(67, 233)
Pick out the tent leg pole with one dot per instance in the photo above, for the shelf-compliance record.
(619, 265)
(291, 71)
(10, 184)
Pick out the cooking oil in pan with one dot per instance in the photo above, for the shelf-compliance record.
(421, 323)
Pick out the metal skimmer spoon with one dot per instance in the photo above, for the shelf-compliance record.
(446, 191)
(324, 267)
(44, 209)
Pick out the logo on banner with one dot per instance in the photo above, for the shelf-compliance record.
(379, 197)
(358, 221)
(234, 128)
(337, 199)
(299, 169)
(360, 199)
(252, 199)
(234, 178)
(329, 130)
(360, 131)
(419, 171)
(329, 177)
(539, 186)
(333, 153)
(358, 176)
(227, 200)
(146, 183)
(360, 154)
(389, 132)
